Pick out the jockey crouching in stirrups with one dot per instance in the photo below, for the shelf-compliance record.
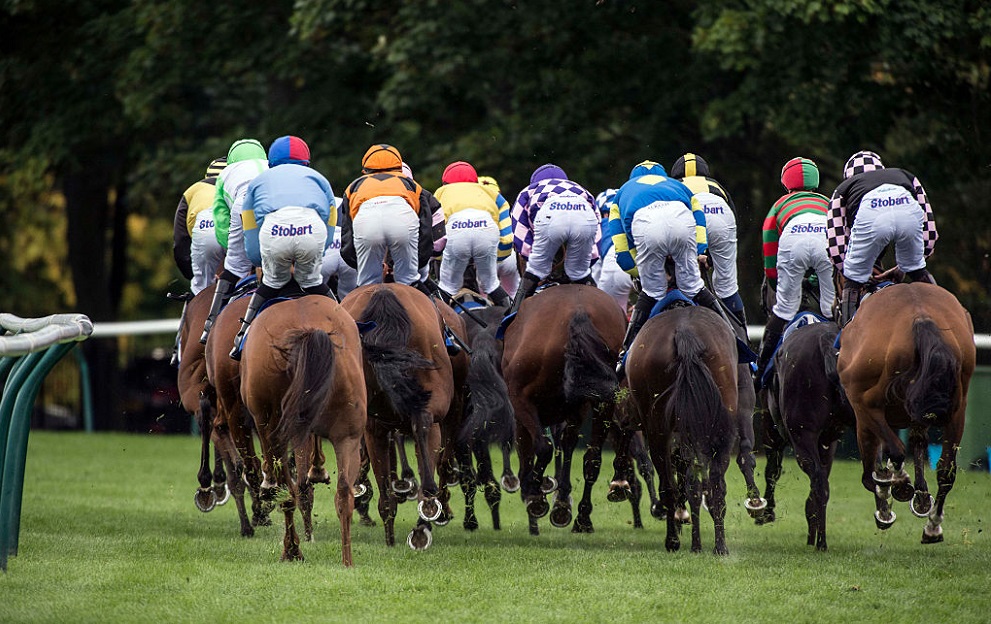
(287, 212)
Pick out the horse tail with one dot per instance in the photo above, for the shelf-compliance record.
(589, 367)
(393, 363)
(490, 417)
(310, 366)
(695, 405)
(929, 388)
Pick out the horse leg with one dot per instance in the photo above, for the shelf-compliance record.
(809, 459)
(302, 457)
(235, 479)
(747, 462)
(875, 478)
(220, 487)
(348, 454)
(774, 450)
(404, 484)
(317, 472)
(509, 481)
(619, 485)
(205, 498)
(486, 477)
(290, 542)
(946, 473)
(592, 465)
(680, 466)
(241, 436)
(426, 436)
(646, 469)
(379, 445)
(717, 504)
(922, 500)
(363, 488)
(661, 458)
(695, 488)
(469, 485)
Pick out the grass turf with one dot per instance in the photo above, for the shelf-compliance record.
(109, 532)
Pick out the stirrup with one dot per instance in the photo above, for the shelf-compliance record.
(235, 353)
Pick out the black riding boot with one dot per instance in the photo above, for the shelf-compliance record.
(772, 335)
(921, 275)
(587, 280)
(707, 299)
(852, 293)
(734, 304)
(174, 360)
(225, 285)
(641, 311)
(258, 299)
(321, 289)
(528, 286)
(500, 297)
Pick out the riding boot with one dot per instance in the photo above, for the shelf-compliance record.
(707, 299)
(641, 312)
(587, 280)
(772, 335)
(321, 289)
(528, 286)
(500, 297)
(735, 305)
(852, 293)
(174, 360)
(220, 296)
(258, 299)
(921, 275)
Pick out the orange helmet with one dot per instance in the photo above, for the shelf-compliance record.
(381, 157)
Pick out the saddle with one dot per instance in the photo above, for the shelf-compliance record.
(676, 299)
(801, 320)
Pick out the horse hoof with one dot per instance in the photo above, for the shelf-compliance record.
(548, 485)
(765, 517)
(205, 499)
(755, 506)
(443, 521)
(672, 544)
(403, 486)
(619, 491)
(537, 507)
(561, 516)
(932, 537)
(582, 527)
(471, 524)
(882, 523)
(222, 493)
(922, 504)
(366, 521)
(882, 479)
(902, 490)
(413, 494)
(681, 515)
(657, 511)
(320, 475)
(510, 483)
(420, 538)
(429, 509)
(359, 490)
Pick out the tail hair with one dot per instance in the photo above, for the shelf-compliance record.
(310, 366)
(589, 365)
(695, 406)
(490, 418)
(930, 388)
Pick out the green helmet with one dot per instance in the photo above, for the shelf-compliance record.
(245, 149)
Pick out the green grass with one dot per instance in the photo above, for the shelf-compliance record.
(109, 533)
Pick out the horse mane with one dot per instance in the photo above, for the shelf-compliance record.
(394, 363)
(695, 406)
(929, 388)
(589, 367)
(310, 366)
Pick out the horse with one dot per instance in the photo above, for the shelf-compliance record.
(631, 448)
(199, 398)
(905, 361)
(683, 377)
(559, 365)
(804, 368)
(302, 379)
(411, 387)
(224, 375)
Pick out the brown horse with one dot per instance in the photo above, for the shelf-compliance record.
(411, 388)
(558, 363)
(199, 398)
(301, 379)
(905, 361)
(683, 375)
(224, 375)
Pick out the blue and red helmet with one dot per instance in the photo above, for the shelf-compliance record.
(288, 150)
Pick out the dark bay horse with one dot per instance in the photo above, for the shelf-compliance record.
(906, 359)
(410, 382)
(808, 410)
(302, 379)
(559, 365)
(199, 398)
(683, 375)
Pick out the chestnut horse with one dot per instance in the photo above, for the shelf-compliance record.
(301, 379)
(199, 398)
(906, 359)
(411, 388)
(559, 365)
(683, 374)
(805, 367)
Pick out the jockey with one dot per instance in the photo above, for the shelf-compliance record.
(341, 278)
(507, 268)
(871, 208)
(720, 227)
(550, 213)
(245, 160)
(611, 278)
(472, 216)
(385, 211)
(794, 242)
(650, 218)
(438, 232)
(287, 213)
(194, 244)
